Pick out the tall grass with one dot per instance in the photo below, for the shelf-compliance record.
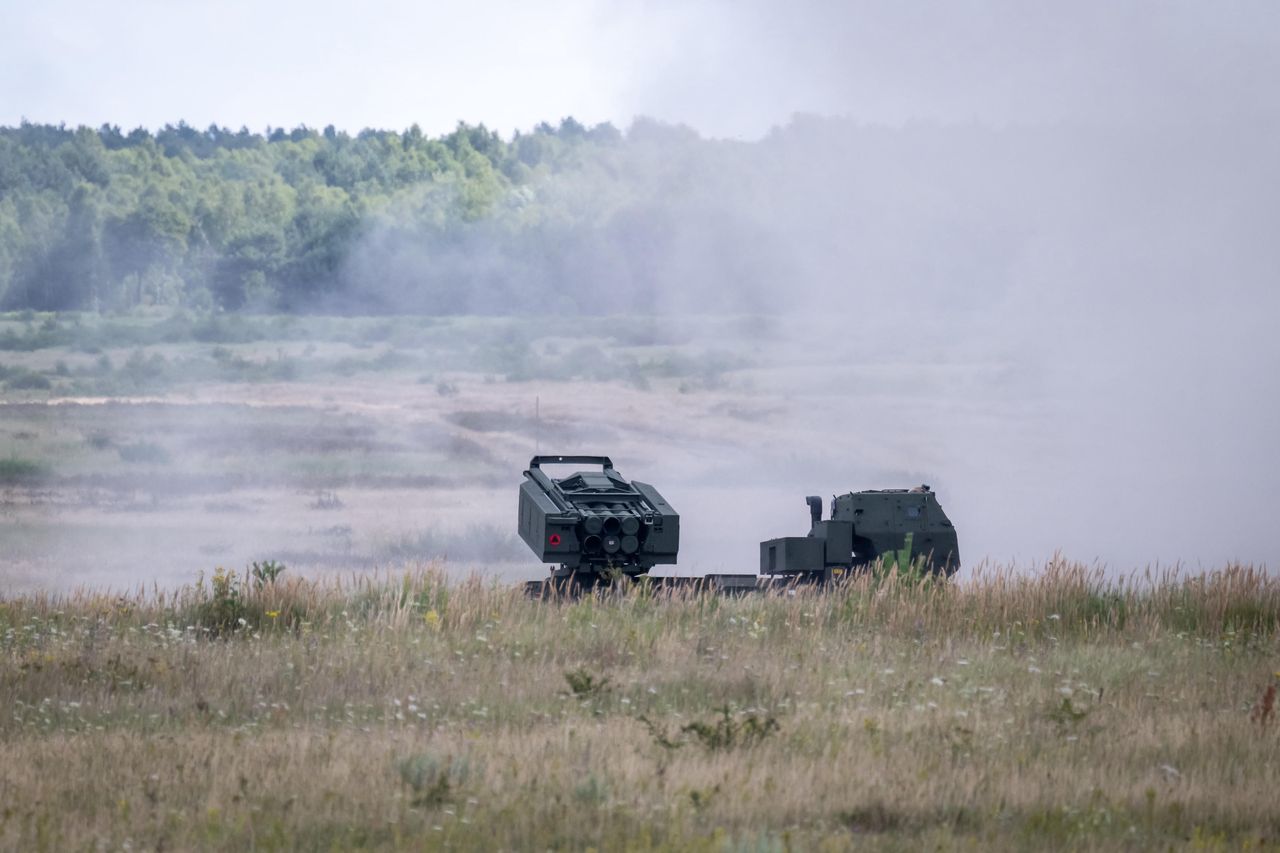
(1051, 710)
(1061, 599)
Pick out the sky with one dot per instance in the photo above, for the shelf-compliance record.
(728, 69)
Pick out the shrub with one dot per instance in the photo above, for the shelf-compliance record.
(223, 612)
(265, 573)
(17, 470)
(146, 371)
(585, 685)
(726, 732)
(593, 791)
(21, 379)
(433, 780)
(143, 452)
(720, 733)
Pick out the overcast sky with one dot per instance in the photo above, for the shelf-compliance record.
(726, 68)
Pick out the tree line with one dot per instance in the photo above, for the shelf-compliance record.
(283, 220)
(574, 220)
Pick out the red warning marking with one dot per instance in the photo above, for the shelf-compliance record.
(554, 539)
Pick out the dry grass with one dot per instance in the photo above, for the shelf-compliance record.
(1046, 711)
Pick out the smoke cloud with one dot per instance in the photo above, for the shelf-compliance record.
(1064, 329)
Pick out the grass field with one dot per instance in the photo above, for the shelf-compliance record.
(1009, 711)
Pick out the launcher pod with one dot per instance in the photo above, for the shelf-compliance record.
(906, 527)
(593, 525)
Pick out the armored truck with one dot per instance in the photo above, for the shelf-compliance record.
(906, 527)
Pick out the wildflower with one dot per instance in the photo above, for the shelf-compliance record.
(432, 618)
(273, 613)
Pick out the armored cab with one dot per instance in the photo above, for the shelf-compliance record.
(902, 526)
(593, 523)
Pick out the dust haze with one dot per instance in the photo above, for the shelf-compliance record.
(1079, 317)
(1026, 257)
(1081, 200)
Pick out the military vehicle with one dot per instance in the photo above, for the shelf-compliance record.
(596, 526)
(906, 527)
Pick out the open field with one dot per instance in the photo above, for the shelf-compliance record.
(1057, 711)
(150, 447)
(391, 690)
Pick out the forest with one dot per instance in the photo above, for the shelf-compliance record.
(304, 220)
(561, 220)
(955, 223)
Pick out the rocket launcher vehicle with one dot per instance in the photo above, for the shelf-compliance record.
(594, 524)
(595, 527)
